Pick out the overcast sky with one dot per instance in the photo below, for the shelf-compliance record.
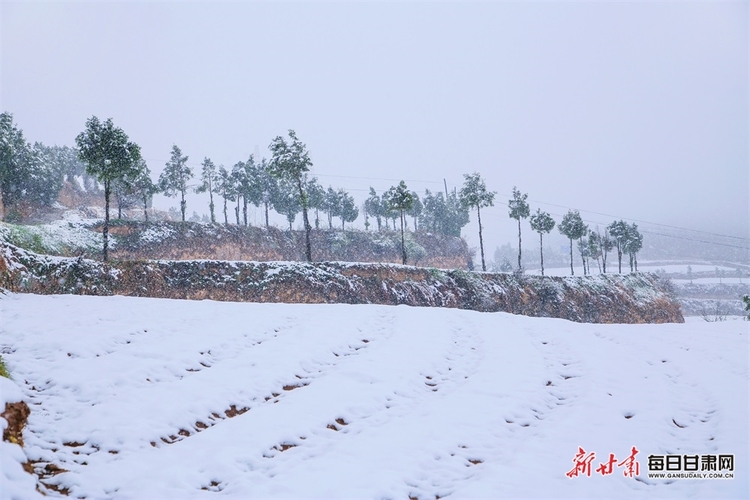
(634, 110)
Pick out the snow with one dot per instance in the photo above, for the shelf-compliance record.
(644, 267)
(71, 232)
(725, 280)
(365, 401)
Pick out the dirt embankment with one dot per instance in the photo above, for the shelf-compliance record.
(189, 240)
(635, 298)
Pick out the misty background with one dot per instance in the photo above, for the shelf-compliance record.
(635, 111)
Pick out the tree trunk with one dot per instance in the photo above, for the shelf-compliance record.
(519, 243)
(244, 210)
(481, 243)
(403, 243)
(237, 211)
(635, 259)
(303, 201)
(226, 219)
(583, 259)
(211, 205)
(604, 261)
(2, 206)
(619, 260)
(571, 257)
(183, 205)
(265, 205)
(541, 251)
(145, 208)
(105, 231)
(330, 220)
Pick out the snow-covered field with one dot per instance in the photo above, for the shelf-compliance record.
(154, 398)
(730, 275)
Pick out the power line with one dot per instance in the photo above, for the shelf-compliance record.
(539, 202)
(647, 222)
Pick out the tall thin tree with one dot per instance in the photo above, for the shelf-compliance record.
(209, 182)
(518, 208)
(542, 223)
(399, 199)
(109, 156)
(175, 177)
(619, 232)
(474, 194)
(291, 160)
(573, 227)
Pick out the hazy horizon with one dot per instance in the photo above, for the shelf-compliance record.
(636, 111)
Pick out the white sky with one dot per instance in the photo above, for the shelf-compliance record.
(637, 110)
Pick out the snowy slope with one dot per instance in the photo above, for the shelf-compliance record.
(157, 398)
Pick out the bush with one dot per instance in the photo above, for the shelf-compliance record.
(3, 369)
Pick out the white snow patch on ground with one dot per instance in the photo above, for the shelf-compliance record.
(365, 401)
(642, 267)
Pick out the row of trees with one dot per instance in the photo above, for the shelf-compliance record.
(626, 239)
(32, 173)
(280, 183)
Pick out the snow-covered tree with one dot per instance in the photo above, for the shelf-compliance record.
(443, 214)
(144, 188)
(633, 245)
(29, 173)
(240, 182)
(374, 207)
(316, 196)
(264, 186)
(286, 200)
(109, 156)
(474, 194)
(595, 247)
(331, 205)
(606, 244)
(209, 182)
(399, 198)
(175, 177)
(542, 223)
(518, 208)
(125, 197)
(291, 161)
(349, 211)
(227, 189)
(618, 230)
(416, 209)
(573, 228)
(584, 250)
(14, 151)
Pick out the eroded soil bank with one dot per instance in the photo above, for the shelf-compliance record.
(633, 298)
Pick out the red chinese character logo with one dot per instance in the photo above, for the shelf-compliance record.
(608, 467)
(583, 464)
(632, 467)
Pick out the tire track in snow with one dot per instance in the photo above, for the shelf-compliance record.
(695, 414)
(316, 370)
(450, 369)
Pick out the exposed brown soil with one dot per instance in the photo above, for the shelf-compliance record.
(633, 298)
(16, 415)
